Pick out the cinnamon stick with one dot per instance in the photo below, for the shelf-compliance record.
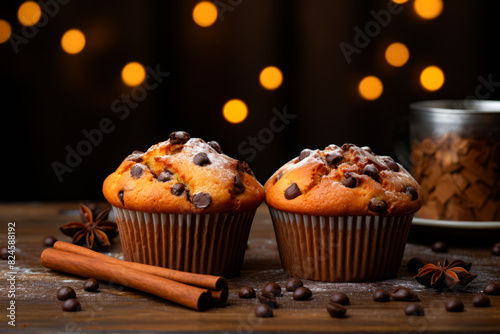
(121, 273)
(218, 298)
(200, 280)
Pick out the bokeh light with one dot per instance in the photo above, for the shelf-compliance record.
(370, 88)
(29, 13)
(133, 74)
(205, 13)
(399, 1)
(5, 31)
(271, 77)
(397, 54)
(73, 41)
(428, 9)
(432, 78)
(235, 111)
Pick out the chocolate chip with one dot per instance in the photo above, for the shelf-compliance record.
(91, 285)
(346, 146)
(66, 293)
(165, 176)
(302, 293)
(239, 187)
(279, 176)
(49, 241)
(377, 205)
(272, 287)
(201, 159)
(136, 156)
(495, 250)
(267, 298)
(304, 154)
(439, 247)
(179, 137)
(381, 296)
(243, 166)
(414, 264)
(137, 171)
(202, 200)
(263, 311)
(293, 283)
(413, 193)
(334, 158)
(350, 182)
(336, 310)
(215, 145)
(391, 164)
(414, 309)
(4, 253)
(455, 305)
(120, 195)
(177, 189)
(492, 289)
(367, 149)
(371, 171)
(71, 305)
(481, 300)
(340, 298)
(292, 191)
(247, 292)
(404, 294)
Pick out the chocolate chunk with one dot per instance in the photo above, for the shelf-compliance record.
(202, 200)
(267, 298)
(391, 164)
(336, 310)
(71, 305)
(367, 149)
(455, 305)
(49, 241)
(66, 293)
(136, 156)
(413, 193)
(346, 146)
(137, 171)
(414, 309)
(381, 296)
(293, 283)
(377, 205)
(247, 292)
(215, 145)
(495, 250)
(340, 298)
(279, 176)
(292, 191)
(239, 187)
(439, 247)
(404, 294)
(302, 293)
(492, 289)
(165, 176)
(304, 154)
(350, 182)
(371, 171)
(243, 166)
(481, 300)
(414, 264)
(334, 158)
(4, 253)
(272, 287)
(177, 189)
(263, 311)
(201, 159)
(120, 195)
(91, 285)
(179, 137)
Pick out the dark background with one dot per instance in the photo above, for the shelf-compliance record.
(49, 97)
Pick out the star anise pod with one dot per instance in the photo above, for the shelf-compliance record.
(449, 275)
(94, 233)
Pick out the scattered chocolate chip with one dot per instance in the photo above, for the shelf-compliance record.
(49, 241)
(202, 200)
(136, 156)
(71, 305)
(412, 192)
(279, 176)
(340, 298)
(177, 189)
(414, 264)
(267, 298)
(377, 205)
(120, 195)
(492, 289)
(293, 283)
(455, 305)
(66, 293)
(346, 146)
(243, 166)
(336, 310)
(334, 158)
(304, 154)
(247, 292)
(367, 149)
(91, 285)
(350, 182)
(414, 309)
(302, 293)
(391, 164)
(292, 191)
(439, 247)
(371, 171)
(136, 171)
(263, 311)
(215, 145)
(404, 294)
(239, 187)
(179, 137)
(165, 176)
(4, 253)
(201, 159)
(481, 300)
(272, 287)
(381, 296)
(495, 250)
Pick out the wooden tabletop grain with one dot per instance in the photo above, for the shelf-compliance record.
(119, 309)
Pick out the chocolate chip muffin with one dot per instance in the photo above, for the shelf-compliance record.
(184, 205)
(342, 214)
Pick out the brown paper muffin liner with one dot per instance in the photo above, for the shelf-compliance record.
(340, 249)
(211, 244)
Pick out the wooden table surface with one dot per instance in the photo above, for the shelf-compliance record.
(120, 309)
